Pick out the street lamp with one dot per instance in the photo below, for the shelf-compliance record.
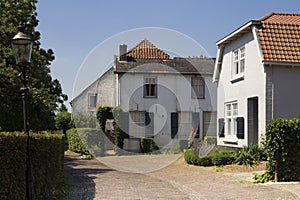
(22, 46)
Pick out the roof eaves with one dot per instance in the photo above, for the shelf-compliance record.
(237, 32)
(291, 64)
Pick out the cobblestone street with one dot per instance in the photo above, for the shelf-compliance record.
(94, 180)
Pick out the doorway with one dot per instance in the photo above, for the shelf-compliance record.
(252, 120)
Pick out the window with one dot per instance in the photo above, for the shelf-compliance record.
(209, 123)
(239, 61)
(231, 118)
(137, 124)
(150, 87)
(197, 87)
(92, 100)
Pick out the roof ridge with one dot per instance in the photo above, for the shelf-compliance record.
(270, 14)
(143, 44)
(145, 49)
(281, 23)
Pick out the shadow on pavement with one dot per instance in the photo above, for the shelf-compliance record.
(80, 174)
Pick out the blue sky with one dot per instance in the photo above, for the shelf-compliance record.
(73, 28)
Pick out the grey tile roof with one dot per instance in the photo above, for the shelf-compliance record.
(175, 65)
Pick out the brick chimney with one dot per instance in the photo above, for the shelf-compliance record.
(122, 52)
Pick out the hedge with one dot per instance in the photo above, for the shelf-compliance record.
(47, 161)
(75, 143)
(225, 157)
(283, 151)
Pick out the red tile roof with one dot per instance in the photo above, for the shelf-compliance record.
(146, 50)
(280, 37)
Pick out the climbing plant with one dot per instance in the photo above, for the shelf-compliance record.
(104, 113)
(283, 150)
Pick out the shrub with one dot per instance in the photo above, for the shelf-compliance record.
(47, 160)
(190, 157)
(225, 157)
(148, 145)
(63, 121)
(120, 120)
(220, 158)
(283, 149)
(104, 113)
(83, 120)
(205, 161)
(249, 155)
(74, 142)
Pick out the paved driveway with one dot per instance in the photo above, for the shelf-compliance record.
(94, 180)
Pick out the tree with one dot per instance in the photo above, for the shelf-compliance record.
(45, 94)
(63, 121)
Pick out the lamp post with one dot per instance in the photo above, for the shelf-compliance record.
(22, 46)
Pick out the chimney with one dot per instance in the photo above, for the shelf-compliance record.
(122, 52)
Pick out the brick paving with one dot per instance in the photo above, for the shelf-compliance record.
(93, 180)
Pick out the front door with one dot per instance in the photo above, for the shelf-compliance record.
(253, 120)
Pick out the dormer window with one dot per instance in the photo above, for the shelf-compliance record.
(238, 62)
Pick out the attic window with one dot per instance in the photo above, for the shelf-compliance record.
(238, 62)
(150, 87)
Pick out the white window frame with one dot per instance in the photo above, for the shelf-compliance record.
(238, 62)
(90, 106)
(198, 90)
(148, 82)
(231, 115)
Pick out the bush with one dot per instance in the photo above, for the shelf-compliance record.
(83, 120)
(63, 121)
(74, 142)
(190, 157)
(249, 155)
(104, 113)
(148, 145)
(205, 161)
(221, 158)
(47, 164)
(283, 150)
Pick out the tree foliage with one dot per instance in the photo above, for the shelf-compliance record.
(45, 94)
(63, 121)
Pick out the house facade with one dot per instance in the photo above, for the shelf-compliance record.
(257, 71)
(163, 98)
(101, 92)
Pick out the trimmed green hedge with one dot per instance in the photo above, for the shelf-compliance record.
(225, 157)
(47, 160)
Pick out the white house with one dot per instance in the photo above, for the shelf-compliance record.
(257, 71)
(101, 92)
(164, 97)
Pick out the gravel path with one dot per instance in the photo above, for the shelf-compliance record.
(93, 180)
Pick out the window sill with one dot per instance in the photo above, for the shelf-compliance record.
(230, 140)
(237, 79)
(150, 97)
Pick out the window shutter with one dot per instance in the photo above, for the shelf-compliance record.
(149, 124)
(174, 124)
(240, 128)
(221, 127)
